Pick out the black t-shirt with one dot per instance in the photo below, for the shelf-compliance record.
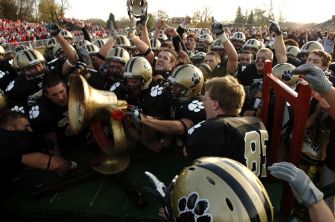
(193, 110)
(14, 144)
(243, 139)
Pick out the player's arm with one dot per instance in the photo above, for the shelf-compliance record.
(171, 127)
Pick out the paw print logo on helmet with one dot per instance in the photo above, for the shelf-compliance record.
(283, 72)
(191, 207)
(190, 78)
(218, 189)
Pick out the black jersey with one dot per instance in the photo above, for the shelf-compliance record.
(248, 75)
(7, 74)
(193, 110)
(21, 90)
(243, 139)
(45, 117)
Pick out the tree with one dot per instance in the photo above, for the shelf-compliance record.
(63, 6)
(239, 17)
(25, 9)
(151, 21)
(204, 17)
(8, 9)
(49, 11)
(96, 21)
(251, 19)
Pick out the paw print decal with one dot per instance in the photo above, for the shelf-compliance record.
(195, 78)
(196, 106)
(156, 91)
(10, 86)
(2, 74)
(191, 130)
(34, 112)
(287, 75)
(315, 148)
(114, 86)
(191, 208)
(18, 109)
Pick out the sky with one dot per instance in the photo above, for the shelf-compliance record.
(302, 11)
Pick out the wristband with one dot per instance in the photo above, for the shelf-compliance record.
(223, 37)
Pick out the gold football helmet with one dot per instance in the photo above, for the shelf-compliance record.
(238, 36)
(155, 44)
(283, 72)
(253, 43)
(190, 78)
(92, 49)
(99, 42)
(58, 49)
(218, 44)
(122, 41)
(137, 8)
(218, 189)
(139, 67)
(292, 50)
(82, 43)
(66, 35)
(21, 48)
(311, 45)
(118, 54)
(51, 43)
(27, 58)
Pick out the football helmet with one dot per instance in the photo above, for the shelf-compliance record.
(139, 67)
(122, 41)
(66, 35)
(82, 43)
(27, 58)
(162, 37)
(238, 36)
(190, 78)
(198, 58)
(51, 43)
(217, 189)
(218, 44)
(92, 49)
(206, 38)
(311, 45)
(118, 54)
(292, 50)
(155, 44)
(253, 43)
(99, 42)
(137, 8)
(283, 72)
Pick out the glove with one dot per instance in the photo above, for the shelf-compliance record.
(84, 56)
(303, 188)
(143, 20)
(159, 187)
(274, 27)
(132, 28)
(53, 29)
(135, 116)
(218, 29)
(315, 77)
(113, 32)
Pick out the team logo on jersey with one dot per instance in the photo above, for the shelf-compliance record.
(196, 106)
(156, 91)
(114, 86)
(10, 86)
(191, 130)
(18, 109)
(34, 112)
(193, 207)
(2, 74)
